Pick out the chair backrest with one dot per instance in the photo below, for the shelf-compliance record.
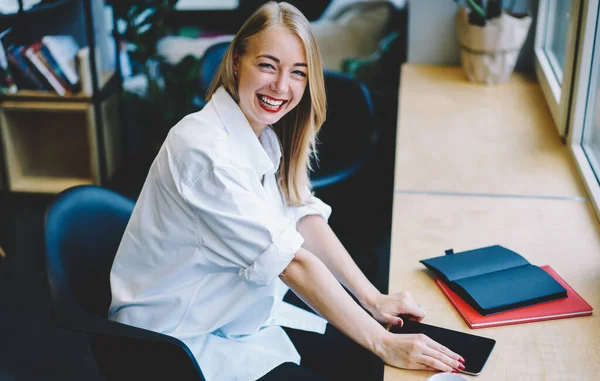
(349, 135)
(83, 229)
(210, 61)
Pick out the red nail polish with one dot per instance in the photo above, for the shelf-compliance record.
(461, 360)
(399, 323)
(461, 367)
(454, 371)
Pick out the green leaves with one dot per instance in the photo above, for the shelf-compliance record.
(481, 11)
(144, 24)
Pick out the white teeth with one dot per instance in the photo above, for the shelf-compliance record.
(270, 102)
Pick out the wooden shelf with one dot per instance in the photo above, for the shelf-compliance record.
(48, 95)
(48, 142)
(46, 184)
(106, 79)
(51, 146)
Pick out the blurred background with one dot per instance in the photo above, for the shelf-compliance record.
(99, 115)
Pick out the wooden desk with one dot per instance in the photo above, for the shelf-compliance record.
(531, 202)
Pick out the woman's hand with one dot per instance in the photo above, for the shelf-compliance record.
(417, 351)
(386, 308)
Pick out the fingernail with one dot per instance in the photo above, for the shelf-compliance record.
(399, 323)
(461, 367)
(461, 360)
(454, 371)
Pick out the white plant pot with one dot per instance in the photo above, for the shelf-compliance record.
(489, 54)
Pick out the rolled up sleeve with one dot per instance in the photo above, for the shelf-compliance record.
(242, 230)
(314, 206)
(271, 262)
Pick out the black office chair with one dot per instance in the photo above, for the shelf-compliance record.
(209, 64)
(348, 138)
(83, 228)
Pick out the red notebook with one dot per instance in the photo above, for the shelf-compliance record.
(571, 306)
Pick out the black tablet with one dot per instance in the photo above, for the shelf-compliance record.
(474, 349)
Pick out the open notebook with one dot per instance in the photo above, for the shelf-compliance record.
(494, 279)
(571, 306)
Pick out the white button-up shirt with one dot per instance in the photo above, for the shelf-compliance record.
(207, 240)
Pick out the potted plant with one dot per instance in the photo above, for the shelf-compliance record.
(490, 37)
(156, 94)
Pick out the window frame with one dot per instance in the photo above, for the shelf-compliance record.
(558, 100)
(585, 79)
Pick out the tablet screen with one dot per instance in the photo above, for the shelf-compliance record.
(474, 349)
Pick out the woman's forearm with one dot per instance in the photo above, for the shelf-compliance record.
(320, 240)
(312, 281)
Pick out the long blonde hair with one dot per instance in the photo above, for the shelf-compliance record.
(297, 130)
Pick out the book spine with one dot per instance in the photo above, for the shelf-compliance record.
(467, 297)
(60, 80)
(85, 71)
(29, 79)
(53, 65)
(35, 61)
(68, 71)
(33, 69)
(7, 83)
(531, 319)
(456, 306)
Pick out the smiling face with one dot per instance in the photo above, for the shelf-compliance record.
(271, 77)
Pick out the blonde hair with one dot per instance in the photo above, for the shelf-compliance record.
(297, 130)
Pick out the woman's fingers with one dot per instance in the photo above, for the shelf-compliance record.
(415, 310)
(439, 360)
(418, 351)
(391, 319)
(420, 366)
(440, 348)
(436, 365)
(409, 306)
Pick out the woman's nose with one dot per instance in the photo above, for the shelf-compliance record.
(280, 84)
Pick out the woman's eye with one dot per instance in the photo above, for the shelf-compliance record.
(266, 66)
(300, 73)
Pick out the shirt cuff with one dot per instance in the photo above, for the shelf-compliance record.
(315, 206)
(271, 262)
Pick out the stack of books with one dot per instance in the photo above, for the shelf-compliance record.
(495, 286)
(46, 65)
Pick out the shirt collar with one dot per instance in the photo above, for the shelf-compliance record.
(263, 157)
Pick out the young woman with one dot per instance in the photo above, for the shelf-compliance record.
(226, 224)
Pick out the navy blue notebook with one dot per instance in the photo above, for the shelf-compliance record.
(494, 279)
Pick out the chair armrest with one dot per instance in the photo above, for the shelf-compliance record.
(124, 352)
(87, 323)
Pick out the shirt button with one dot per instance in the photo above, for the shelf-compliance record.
(272, 321)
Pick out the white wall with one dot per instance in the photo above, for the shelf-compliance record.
(431, 33)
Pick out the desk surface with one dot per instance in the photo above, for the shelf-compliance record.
(562, 233)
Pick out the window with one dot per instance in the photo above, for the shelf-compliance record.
(591, 124)
(556, 29)
(206, 5)
(584, 124)
(556, 36)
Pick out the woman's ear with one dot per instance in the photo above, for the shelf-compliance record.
(236, 63)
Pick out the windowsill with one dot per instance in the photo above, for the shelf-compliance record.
(481, 165)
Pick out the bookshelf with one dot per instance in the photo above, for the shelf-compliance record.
(51, 142)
